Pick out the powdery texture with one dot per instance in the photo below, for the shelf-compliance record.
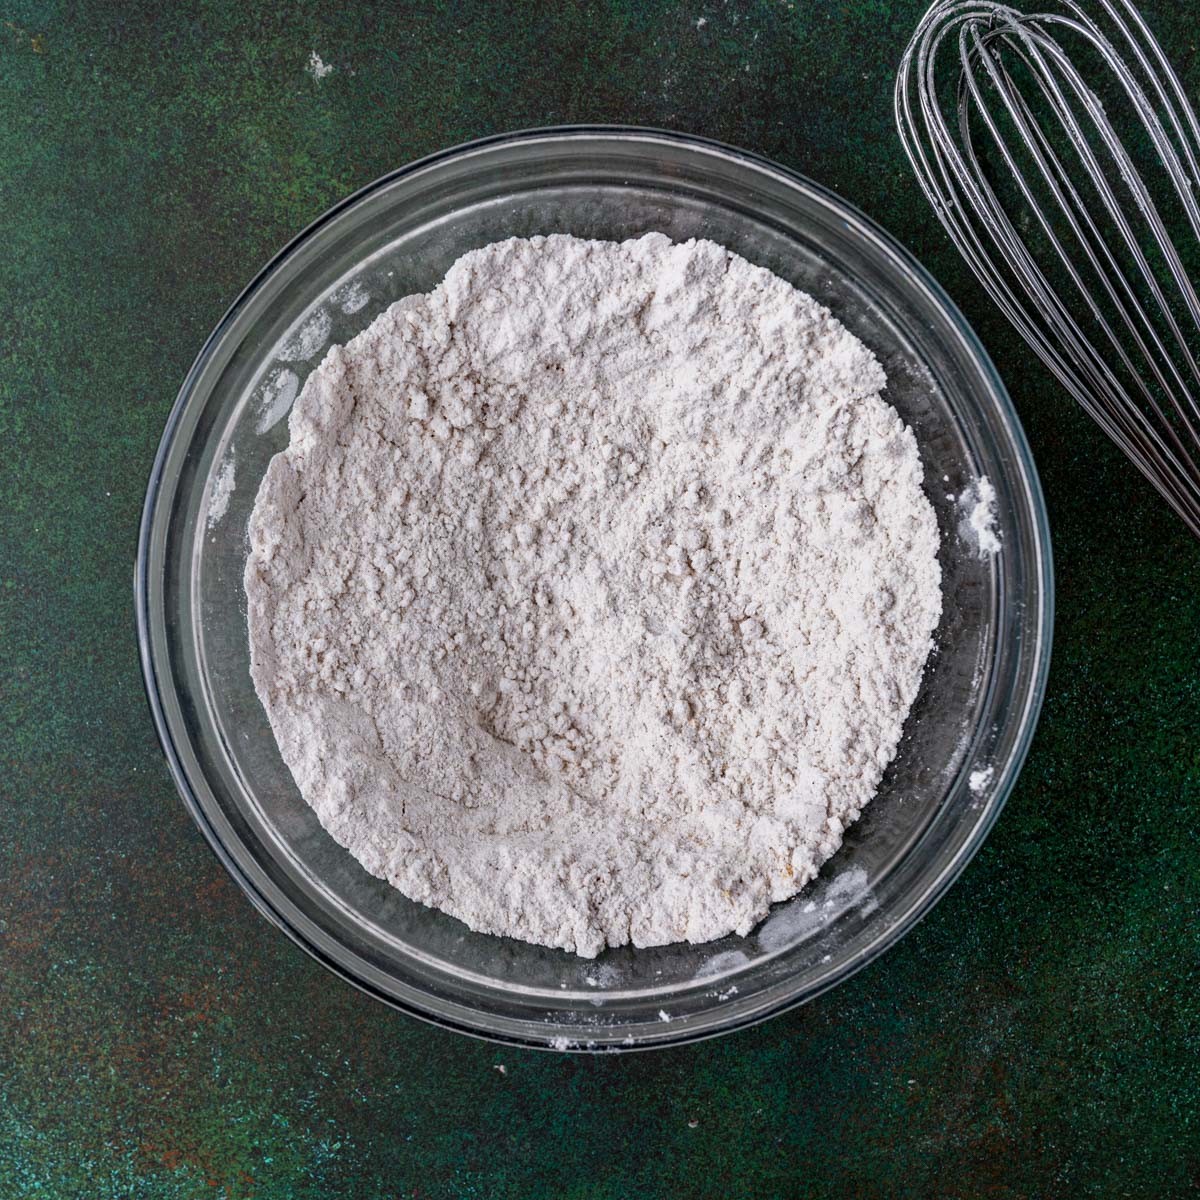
(592, 590)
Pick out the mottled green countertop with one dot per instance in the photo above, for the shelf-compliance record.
(1036, 1036)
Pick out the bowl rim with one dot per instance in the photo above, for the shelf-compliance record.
(1041, 567)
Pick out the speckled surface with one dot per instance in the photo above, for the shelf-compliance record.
(1036, 1036)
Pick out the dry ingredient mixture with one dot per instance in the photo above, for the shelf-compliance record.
(591, 592)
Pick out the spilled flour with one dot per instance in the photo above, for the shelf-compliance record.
(591, 592)
(979, 524)
(222, 490)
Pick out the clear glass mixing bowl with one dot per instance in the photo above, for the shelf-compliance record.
(972, 721)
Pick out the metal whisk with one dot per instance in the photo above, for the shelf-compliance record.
(1079, 234)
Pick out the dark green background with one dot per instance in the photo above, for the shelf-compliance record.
(1036, 1036)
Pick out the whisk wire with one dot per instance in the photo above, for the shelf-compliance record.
(1125, 421)
(1162, 77)
(1118, 321)
(1108, 274)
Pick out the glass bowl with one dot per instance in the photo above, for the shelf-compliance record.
(964, 740)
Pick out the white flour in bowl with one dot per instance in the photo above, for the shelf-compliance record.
(590, 595)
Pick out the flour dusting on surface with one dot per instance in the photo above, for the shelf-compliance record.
(275, 399)
(311, 337)
(794, 922)
(317, 68)
(980, 778)
(719, 964)
(222, 490)
(591, 592)
(979, 524)
(352, 297)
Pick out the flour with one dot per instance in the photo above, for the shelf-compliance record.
(317, 68)
(979, 779)
(222, 490)
(590, 595)
(979, 524)
(275, 399)
(352, 297)
(309, 338)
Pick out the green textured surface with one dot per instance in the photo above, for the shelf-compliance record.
(1036, 1036)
